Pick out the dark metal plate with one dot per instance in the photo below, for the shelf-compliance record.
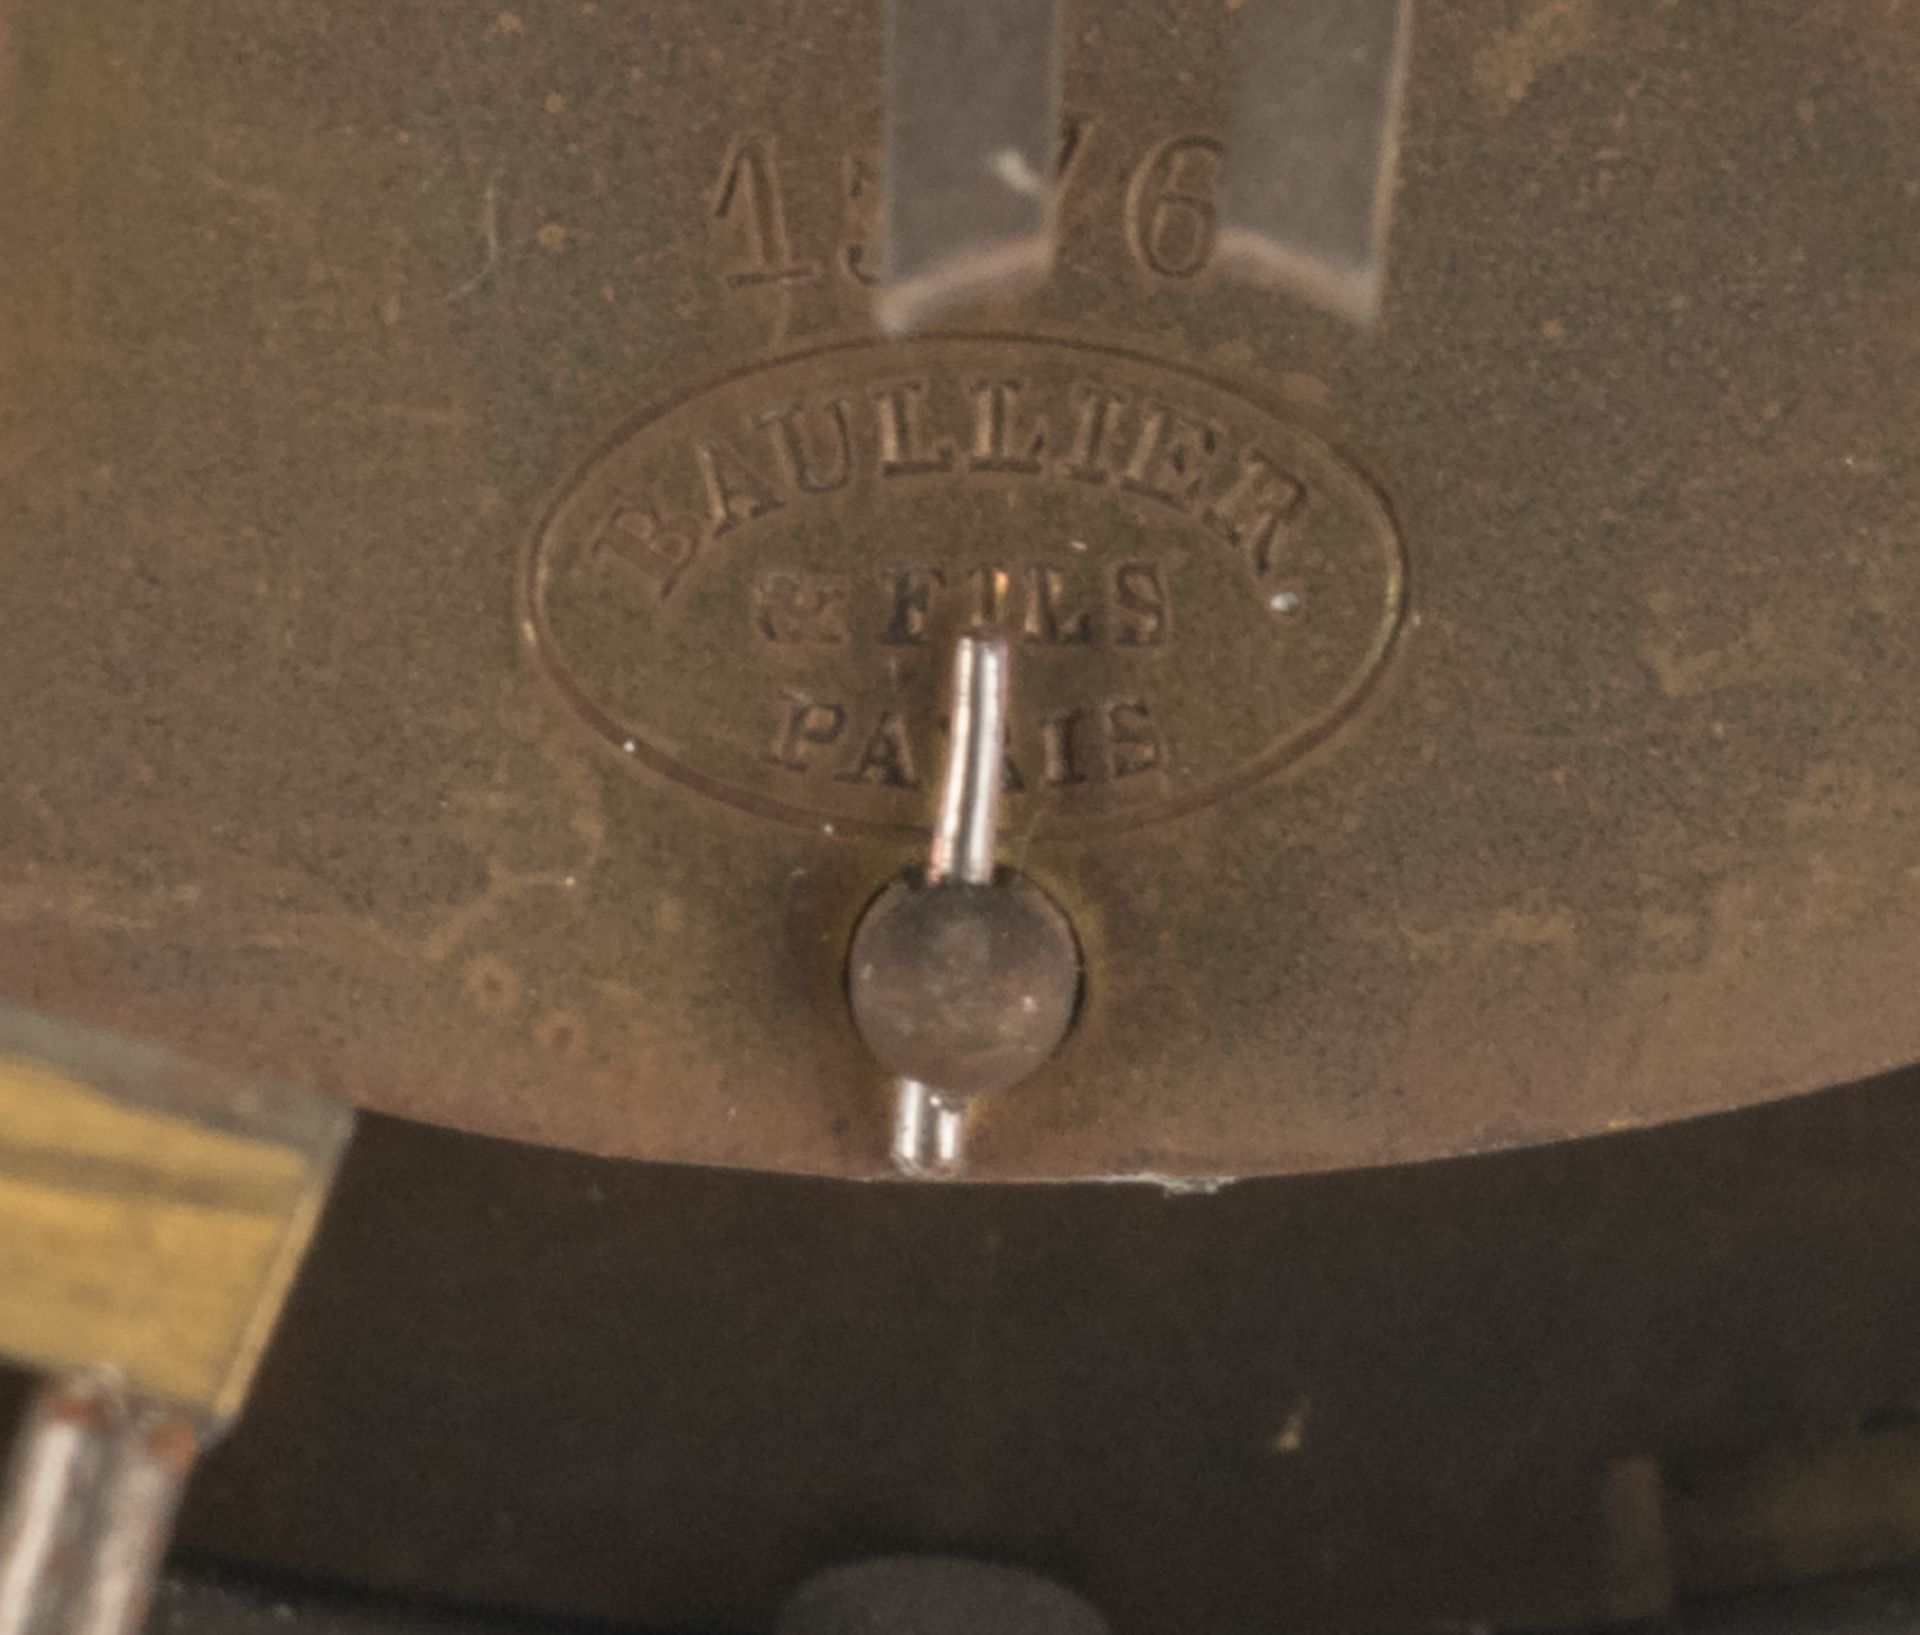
(1397, 1398)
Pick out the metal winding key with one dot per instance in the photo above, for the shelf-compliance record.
(965, 978)
(152, 1216)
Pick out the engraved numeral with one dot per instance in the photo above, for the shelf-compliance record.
(859, 195)
(1171, 215)
(1074, 132)
(860, 199)
(748, 200)
(1171, 218)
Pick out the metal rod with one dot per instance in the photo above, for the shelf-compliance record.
(88, 1509)
(929, 1131)
(929, 1128)
(968, 824)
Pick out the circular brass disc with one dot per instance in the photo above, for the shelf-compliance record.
(1497, 727)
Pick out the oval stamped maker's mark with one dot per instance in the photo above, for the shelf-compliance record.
(753, 589)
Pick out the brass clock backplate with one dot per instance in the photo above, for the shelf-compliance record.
(475, 579)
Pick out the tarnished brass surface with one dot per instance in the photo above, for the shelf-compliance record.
(151, 1216)
(317, 320)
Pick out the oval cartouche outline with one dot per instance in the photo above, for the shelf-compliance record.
(549, 660)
